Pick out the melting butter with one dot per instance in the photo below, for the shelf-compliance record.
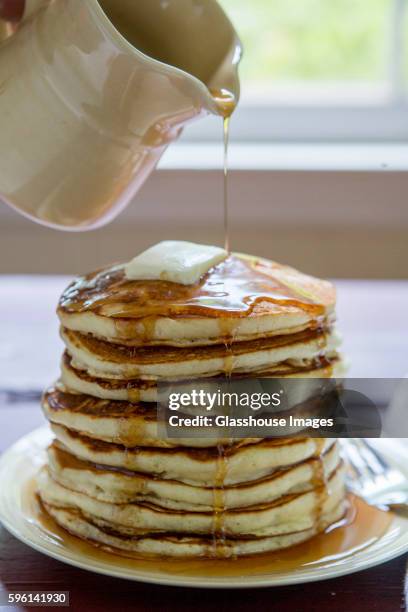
(175, 261)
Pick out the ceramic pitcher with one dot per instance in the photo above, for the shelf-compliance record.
(91, 94)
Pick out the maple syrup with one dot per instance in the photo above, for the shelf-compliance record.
(226, 124)
(218, 531)
(362, 526)
(226, 103)
(320, 482)
(231, 289)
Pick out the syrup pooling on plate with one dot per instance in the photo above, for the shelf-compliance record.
(362, 527)
(233, 288)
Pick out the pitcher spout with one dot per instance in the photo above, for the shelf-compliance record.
(193, 38)
(224, 87)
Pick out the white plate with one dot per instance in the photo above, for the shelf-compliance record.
(22, 461)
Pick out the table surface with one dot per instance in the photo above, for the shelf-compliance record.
(372, 320)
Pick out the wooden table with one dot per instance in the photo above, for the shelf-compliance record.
(372, 318)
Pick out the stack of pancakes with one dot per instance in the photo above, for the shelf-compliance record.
(113, 480)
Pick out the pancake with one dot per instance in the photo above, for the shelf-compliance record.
(145, 390)
(107, 360)
(114, 479)
(123, 486)
(120, 422)
(197, 466)
(179, 546)
(295, 512)
(242, 298)
(136, 423)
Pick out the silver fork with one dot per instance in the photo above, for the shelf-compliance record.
(371, 477)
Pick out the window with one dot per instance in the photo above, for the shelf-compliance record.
(319, 70)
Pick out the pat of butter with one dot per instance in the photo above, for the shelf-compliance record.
(175, 261)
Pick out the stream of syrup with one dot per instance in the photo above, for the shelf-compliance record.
(226, 124)
(226, 103)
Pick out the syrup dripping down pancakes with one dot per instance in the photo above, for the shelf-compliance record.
(112, 480)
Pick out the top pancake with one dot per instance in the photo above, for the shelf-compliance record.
(242, 298)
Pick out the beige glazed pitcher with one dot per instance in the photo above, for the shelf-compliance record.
(91, 94)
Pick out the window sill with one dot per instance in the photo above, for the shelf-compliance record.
(381, 157)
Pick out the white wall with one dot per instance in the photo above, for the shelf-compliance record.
(339, 224)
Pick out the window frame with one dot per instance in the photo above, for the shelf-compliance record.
(312, 123)
(326, 112)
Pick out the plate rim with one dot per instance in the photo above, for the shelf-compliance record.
(235, 582)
